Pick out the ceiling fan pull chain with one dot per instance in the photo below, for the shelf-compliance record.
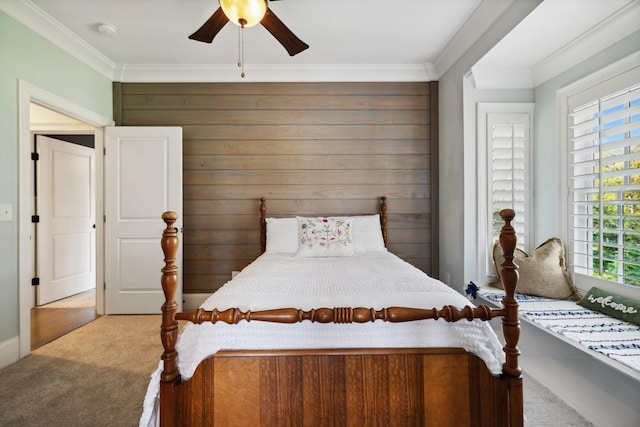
(241, 50)
(239, 47)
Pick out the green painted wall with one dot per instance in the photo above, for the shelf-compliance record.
(26, 56)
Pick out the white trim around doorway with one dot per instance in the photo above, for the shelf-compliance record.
(28, 93)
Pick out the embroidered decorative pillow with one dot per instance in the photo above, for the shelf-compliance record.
(324, 237)
(617, 306)
(543, 273)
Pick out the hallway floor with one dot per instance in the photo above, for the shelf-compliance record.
(51, 321)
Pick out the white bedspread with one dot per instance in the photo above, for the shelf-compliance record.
(372, 280)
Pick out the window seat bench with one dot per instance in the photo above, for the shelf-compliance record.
(588, 359)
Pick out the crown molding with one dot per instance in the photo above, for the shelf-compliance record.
(43, 24)
(620, 25)
(275, 73)
(502, 79)
(615, 28)
(479, 22)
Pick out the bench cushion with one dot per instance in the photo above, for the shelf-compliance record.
(591, 330)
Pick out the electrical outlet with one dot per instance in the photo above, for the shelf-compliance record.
(6, 213)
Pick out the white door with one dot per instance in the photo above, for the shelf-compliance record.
(65, 182)
(143, 179)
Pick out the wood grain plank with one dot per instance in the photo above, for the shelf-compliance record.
(310, 163)
(198, 284)
(211, 252)
(446, 388)
(215, 267)
(293, 207)
(325, 396)
(221, 237)
(271, 102)
(228, 116)
(273, 89)
(300, 206)
(304, 177)
(195, 147)
(331, 193)
(233, 408)
(302, 131)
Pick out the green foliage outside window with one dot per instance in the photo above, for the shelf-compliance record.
(616, 249)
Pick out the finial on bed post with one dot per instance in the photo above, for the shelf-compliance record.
(383, 218)
(169, 331)
(263, 225)
(509, 278)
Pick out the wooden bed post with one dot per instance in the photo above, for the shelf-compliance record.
(383, 218)
(263, 226)
(169, 331)
(510, 320)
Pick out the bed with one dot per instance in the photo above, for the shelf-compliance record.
(316, 337)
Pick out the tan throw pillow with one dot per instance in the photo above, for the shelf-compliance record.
(543, 273)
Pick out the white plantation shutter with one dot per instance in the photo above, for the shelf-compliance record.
(508, 157)
(604, 184)
(503, 166)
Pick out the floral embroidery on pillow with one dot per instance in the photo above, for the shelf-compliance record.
(329, 236)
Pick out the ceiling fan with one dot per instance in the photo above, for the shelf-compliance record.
(247, 13)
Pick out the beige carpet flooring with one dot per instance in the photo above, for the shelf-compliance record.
(98, 374)
(95, 376)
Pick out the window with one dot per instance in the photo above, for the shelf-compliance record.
(504, 133)
(508, 158)
(604, 182)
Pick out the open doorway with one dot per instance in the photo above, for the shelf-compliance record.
(64, 281)
(28, 95)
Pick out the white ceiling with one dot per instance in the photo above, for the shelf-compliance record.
(351, 40)
(555, 36)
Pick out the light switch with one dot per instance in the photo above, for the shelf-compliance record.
(6, 213)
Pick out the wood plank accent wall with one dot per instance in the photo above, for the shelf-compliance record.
(308, 148)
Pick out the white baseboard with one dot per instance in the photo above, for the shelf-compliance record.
(193, 301)
(9, 351)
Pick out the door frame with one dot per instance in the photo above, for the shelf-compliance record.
(28, 93)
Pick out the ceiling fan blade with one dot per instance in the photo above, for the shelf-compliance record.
(209, 29)
(276, 27)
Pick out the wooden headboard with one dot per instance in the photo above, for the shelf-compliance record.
(263, 222)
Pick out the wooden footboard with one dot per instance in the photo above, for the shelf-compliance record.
(382, 387)
(385, 387)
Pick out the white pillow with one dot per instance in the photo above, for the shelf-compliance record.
(282, 235)
(324, 237)
(367, 234)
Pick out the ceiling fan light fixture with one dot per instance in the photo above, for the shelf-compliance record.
(244, 13)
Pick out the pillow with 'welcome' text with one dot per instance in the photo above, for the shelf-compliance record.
(617, 306)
